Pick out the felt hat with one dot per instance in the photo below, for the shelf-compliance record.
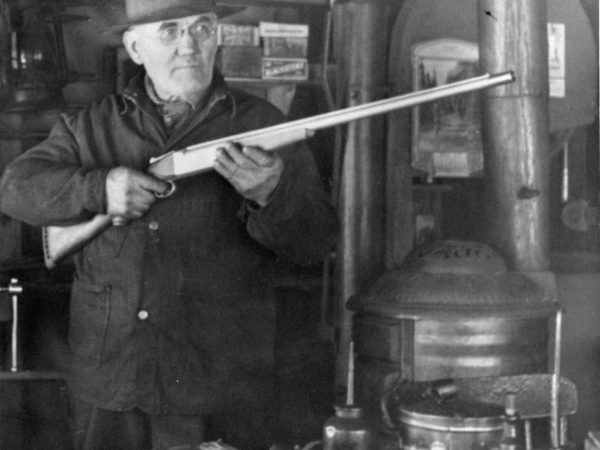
(138, 12)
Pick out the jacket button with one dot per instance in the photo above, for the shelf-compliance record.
(143, 314)
(153, 225)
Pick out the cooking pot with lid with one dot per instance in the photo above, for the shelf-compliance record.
(437, 418)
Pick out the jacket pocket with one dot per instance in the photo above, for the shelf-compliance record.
(108, 244)
(88, 322)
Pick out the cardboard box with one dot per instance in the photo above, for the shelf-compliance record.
(285, 47)
(289, 30)
(285, 69)
(232, 35)
(240, 61)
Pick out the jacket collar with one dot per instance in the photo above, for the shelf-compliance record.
(136, 92)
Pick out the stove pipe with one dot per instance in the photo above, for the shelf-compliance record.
(513, 36)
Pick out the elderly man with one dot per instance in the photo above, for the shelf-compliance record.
(172, 310)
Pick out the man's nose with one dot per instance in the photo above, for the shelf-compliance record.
(188, 43)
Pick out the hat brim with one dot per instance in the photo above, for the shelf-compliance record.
(172, 14)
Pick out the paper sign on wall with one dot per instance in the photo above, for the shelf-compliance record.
(556, 59)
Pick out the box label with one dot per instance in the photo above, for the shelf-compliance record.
(273, 29)
(234, 35)
(285, 69)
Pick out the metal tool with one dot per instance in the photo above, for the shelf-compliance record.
(14, 289)
(15, 372)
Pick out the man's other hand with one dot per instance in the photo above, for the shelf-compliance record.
(130, 193)
(253, 172)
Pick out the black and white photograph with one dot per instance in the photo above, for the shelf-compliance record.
(299, 225)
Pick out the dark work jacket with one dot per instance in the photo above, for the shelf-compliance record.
(174, 312)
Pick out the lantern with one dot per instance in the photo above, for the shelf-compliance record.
(37, 71)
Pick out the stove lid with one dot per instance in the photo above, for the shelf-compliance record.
(454, 277)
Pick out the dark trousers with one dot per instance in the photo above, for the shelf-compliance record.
(100, 429)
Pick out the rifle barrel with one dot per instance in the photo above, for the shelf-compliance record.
(199, 157)
(351, 113)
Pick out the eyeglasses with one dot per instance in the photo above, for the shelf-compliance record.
(202, 31)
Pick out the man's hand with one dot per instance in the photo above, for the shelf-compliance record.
(129, 193)
(253, 172)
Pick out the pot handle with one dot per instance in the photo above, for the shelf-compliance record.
(441, 390)
(386, 397)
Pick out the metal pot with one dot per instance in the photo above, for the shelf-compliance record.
(442, 432)
(431, 419)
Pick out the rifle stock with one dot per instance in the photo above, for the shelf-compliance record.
(59, 242)
(62, 241)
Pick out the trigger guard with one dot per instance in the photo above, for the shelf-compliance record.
(168, 193)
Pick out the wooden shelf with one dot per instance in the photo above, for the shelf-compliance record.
(266, 3)
(315, 78)
(265, 84)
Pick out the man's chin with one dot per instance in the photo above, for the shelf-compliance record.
(186, 89)
(192, 75)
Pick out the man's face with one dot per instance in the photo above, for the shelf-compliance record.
(178, 54)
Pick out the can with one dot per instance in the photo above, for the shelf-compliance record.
(348, 429)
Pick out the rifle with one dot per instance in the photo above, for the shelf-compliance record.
(59, 242)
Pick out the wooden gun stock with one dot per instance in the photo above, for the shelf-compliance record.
(59, 242)
(62, 241)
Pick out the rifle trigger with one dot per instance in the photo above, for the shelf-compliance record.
(168, 193)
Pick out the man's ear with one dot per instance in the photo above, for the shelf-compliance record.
(130, 38)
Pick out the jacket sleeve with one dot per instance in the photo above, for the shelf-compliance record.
(299, 222)
(48, 185)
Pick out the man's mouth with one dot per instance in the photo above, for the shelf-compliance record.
(189, 62)
(188, 66)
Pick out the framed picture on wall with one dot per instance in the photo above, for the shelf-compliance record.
(446, 137)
